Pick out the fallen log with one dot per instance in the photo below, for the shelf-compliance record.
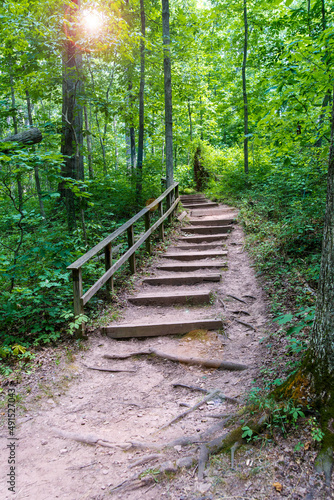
(205, 363)
(26, 138)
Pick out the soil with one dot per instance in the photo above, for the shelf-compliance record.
(62, 402)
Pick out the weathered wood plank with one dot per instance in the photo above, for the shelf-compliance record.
(181, 280)
(168, 299)
(170, 328)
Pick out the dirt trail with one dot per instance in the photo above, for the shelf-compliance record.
(124, 407)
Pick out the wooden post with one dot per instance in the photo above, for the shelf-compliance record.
(176, 197)
(147, 227)
(77, 302)
(108, 264)
(131, 241)
(161, 227)
(169, 204)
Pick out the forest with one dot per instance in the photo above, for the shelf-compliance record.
(83, 143)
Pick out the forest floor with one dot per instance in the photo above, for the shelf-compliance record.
(62, 406)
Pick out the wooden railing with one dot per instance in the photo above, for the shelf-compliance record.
(80, 299)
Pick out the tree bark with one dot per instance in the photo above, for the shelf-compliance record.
(19, 184)
(190, 121)
(322, 338)
(89, 145)
(141, 106)
(36, 172)
(244, 89)
(72, 117)
(28, 137)
(168, 94)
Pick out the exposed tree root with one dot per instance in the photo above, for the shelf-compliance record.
(144, 460)
(87, 439)
(193, 408)
(245, 324)
(205, 391)
(236, 298)
(226, 441)
(207, 363)
(112, 370)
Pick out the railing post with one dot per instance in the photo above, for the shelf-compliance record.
(108, 264)
(147, 227)
(161, 227)
(131, 242)
(169, 204)
(77, 302)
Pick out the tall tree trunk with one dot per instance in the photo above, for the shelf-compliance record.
(168, 94)
(322, 339)
(327, 99)
(244, 90)
(19, 183)
(201, 117)
(36, 172)
(89, 145)
(190, 121)
(139, 182)
(72, 119)
(115, 141)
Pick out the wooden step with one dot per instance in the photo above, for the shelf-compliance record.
(168, 299)
(157, 329)
(181, 268)
(212, 211)
(203, 238)
(211, 222)
(194, 255)
(182, 280)
(203, 246)
(200, 205)
(206, 229)
(193, 197)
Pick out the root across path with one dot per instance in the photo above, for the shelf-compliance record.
(161, 389)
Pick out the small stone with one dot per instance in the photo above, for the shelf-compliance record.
(167, 467)
(64, 450)
(185, 462)
(44, 442)
(105, 472)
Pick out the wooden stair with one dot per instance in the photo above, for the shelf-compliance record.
(197, 259)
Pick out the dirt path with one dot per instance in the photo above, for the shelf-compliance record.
(132, 406)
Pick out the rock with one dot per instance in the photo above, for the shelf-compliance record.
(185, 462)
(44, 442)
(168, 467)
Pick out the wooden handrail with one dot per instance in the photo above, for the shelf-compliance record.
(81, 299)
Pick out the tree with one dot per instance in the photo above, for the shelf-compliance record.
(244, 89)
(72, 112)
(168, 93)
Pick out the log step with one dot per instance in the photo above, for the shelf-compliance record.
(167, 299)
(195, 255)
(191, 267)
(203, 238)
(206, 229)
(211, 222)
(181, 280)
(200, 205)
(157, 329)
